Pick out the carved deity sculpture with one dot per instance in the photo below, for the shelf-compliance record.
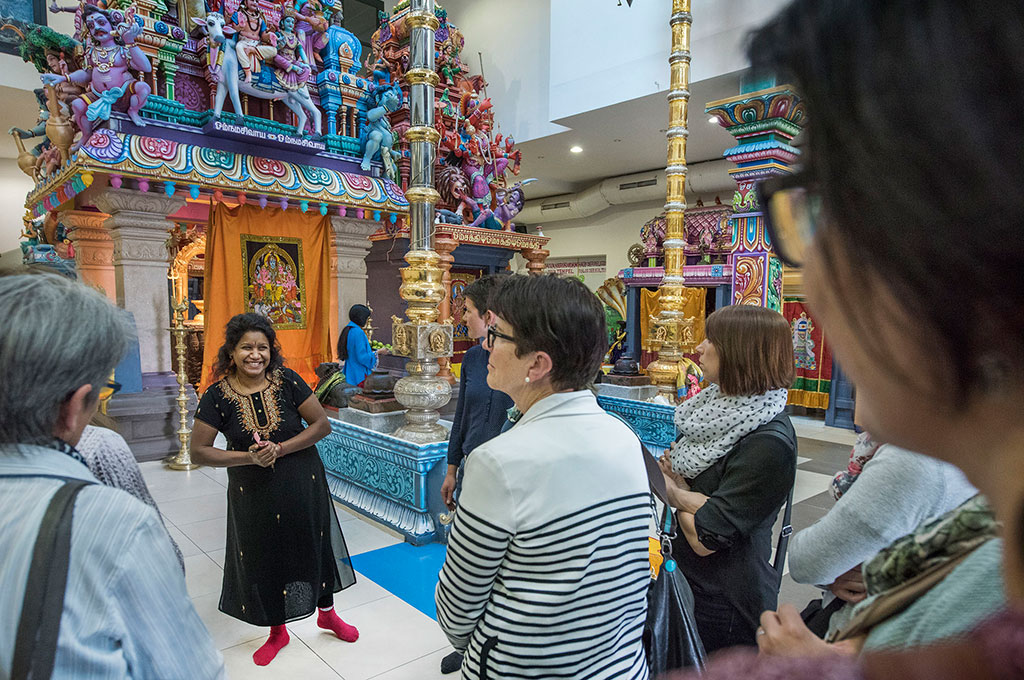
(291, 58)
(255, 43)
(311, 25)
(107, 73)
(377, 136)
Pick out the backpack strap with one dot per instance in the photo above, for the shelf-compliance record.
(35, 648)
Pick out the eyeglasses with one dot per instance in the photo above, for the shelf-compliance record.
(792, 213)
(110, 389)
(492, 333)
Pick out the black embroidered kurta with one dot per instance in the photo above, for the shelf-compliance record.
(285, 551)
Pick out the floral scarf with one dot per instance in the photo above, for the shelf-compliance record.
(864, 449)
(710, 424)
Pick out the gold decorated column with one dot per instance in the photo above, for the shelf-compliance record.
(671, 332)
(422, 338)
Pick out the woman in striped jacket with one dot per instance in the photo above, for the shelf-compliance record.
(547, 568)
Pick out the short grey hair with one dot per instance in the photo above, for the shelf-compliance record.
(55, 336)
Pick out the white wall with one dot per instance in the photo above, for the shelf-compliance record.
(14, 185)
(602, 53)
(609, 233)
(514, 37)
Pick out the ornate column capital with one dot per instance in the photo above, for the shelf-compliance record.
(113, 201)
(350, 226)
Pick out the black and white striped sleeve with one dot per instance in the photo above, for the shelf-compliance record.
(484, 526)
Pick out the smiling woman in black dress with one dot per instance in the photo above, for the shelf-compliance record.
(285, 553)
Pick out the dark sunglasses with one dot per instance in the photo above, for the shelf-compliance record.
(492, 333)
(792, 214)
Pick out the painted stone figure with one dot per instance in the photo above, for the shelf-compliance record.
(377, 136)
(254, 43)
(311, 26)
(291, 59)
(107, 73)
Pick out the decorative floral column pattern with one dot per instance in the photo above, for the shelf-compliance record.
(94, 249)
(139, 228)
(763, 122)
(349, 245)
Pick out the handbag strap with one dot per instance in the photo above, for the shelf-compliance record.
(776, 427)
(35, 648)
(787, 531)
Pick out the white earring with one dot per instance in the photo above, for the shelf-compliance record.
(527, 378)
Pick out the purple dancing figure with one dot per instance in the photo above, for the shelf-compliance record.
(291, 58)
(312, 28)
(107, 74)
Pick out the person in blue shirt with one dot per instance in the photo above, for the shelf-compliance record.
(354, 347)
(481, 412)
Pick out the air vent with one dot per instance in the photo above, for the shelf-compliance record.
(554, 206)
(636, 185)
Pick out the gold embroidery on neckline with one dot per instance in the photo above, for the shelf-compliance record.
(246, 409)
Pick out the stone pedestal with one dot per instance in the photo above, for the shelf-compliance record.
(634, 392)
(139, 227)
(94, 249)
(385, 423)
(626, 380)
(349, 246)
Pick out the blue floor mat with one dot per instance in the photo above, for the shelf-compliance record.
(405, 570)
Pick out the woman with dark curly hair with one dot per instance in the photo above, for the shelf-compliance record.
(285, 553)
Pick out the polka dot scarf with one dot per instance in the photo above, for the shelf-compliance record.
(710, 423)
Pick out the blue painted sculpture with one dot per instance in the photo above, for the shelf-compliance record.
(377, 136)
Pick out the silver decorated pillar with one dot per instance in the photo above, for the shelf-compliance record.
(420, 337)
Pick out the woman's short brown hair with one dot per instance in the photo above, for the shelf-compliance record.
(755, 349)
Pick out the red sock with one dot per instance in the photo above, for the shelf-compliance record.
(329, 620)
(277, 640)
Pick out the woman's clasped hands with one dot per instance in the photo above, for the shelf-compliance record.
(265, 453)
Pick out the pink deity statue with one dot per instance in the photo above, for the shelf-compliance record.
(107, 73)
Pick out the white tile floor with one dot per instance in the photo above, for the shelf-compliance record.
(397, 642)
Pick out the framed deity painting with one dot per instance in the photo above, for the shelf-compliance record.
(275, 279)
(16, 17)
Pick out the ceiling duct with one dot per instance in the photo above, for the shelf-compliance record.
(709, 177)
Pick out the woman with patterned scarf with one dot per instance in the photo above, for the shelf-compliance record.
(731, 469)
(885, 493)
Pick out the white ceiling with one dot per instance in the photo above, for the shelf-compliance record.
(622, 139)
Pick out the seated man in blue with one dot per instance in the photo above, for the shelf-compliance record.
(354, 347)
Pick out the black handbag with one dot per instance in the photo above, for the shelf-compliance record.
(817, 617)
(670, 633)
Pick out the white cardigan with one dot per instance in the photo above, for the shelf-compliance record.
(547, 568)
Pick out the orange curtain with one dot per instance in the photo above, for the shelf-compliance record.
(276, 263)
